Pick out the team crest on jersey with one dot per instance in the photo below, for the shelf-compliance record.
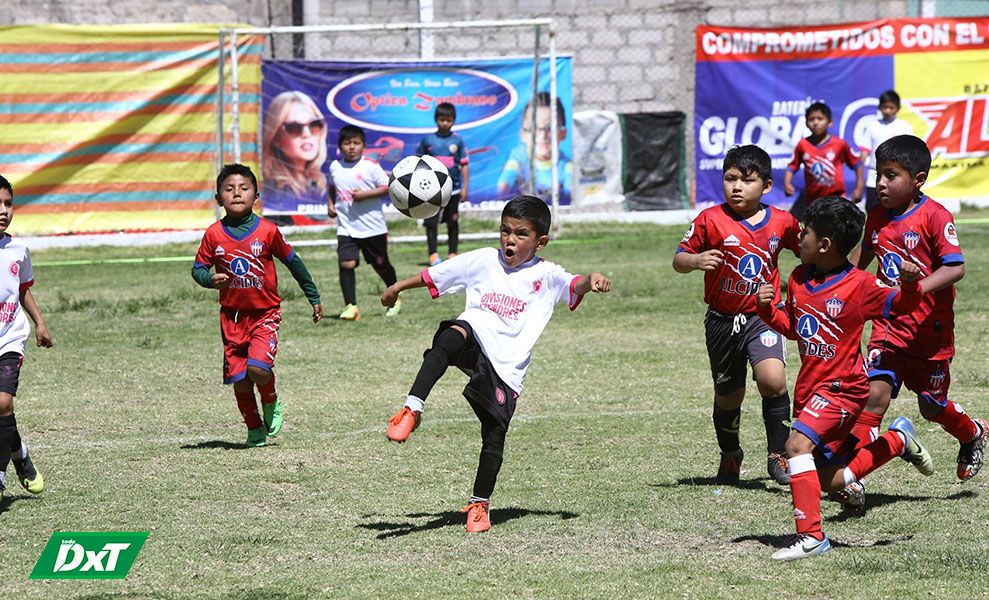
(219, 251)
(937, 378)
(830, 154)
(453, 148)
(239, 266)
(768, 338)
(257, 247)
(911, 239)
(272, 344)
(875, 238)
(774, 243)
(875, 357)
(15, 269)
(537, 285)
(690, 232)
(951, 234)
(834, 306)
(731, 240)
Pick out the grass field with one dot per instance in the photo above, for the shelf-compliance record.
(607, 488)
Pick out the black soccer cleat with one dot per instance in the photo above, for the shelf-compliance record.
(730, 468)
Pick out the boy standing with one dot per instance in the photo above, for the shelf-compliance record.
(828, 303)
(241, 247)
(510, 294)
(737, 245)
(16, 300)
(916, 349)
(878, 132)
(449, 149)
(822, 155)
(356, 193)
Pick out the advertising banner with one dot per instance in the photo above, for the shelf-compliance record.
(113, 128)
(394, 104)
(753, 86)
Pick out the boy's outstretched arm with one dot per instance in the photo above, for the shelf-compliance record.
(709, 260)
(942, 277)
(301, 274)
(592, 282)
(777, 319)
(390, 295)
(40, 329)
(859, 190)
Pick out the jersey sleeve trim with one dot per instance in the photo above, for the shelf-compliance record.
(681, 248)
(792, 168)
(575, 298)
(26, 286)
(199, 265)
(888, 303)
(955, 258)
(435, 293)
(289, 258)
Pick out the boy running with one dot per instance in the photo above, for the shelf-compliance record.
(916, 349)
(510, 295)
(828, 303)
(241, 247)
(16, 300)
(737, 245)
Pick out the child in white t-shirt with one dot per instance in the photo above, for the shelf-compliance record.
(510, 297)
(359, 184)
(16, 305)
(877, 132)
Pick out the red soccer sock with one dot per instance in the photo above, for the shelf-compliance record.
(806, 490)
(866, 428)
(268, 393)
(876, 454)
(248, 407)
(955, 421)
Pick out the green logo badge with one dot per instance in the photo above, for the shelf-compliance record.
(89, 555)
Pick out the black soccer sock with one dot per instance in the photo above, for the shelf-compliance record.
(775, 414)
(448, 344)
(726, 427)
(386, 271)
(8, 432)
(431, 234)
(348, 284)
(492, 452)
(453, 231)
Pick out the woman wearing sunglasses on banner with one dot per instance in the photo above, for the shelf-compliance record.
(294, 153)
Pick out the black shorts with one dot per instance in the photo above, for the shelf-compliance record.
(871, 199)
(374, 249)
(485, 390)
(731, 339)
(447, 214)
(10, 372)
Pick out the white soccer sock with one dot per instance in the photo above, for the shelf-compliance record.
(415, 404)
(904, 438)
(848, 476)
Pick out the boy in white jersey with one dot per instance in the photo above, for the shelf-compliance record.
(359, 184)
(15, 300)
(510, 294)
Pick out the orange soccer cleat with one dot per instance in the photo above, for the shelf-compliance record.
(402, 424)
(477, 517)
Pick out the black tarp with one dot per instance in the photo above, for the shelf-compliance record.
(654, 158)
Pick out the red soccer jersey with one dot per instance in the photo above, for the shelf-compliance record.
(926, 236)
(750, 253)
(823, 173)
(247, 259)
(826, 316)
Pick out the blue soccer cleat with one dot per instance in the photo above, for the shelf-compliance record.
(913, 451)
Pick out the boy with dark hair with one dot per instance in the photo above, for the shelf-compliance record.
(916, 349)
(828, 303)
(357, 190)
(878, 131)
(510, 295)
(450, 149)
(517, 172)
(737, 245)
(822, 155)
(241, 247)
(16, 298)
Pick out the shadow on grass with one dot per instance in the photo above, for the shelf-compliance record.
(451, 518)
(7, 501)
(214, 444)
(873, 500)
(256, 594)
(745, 484)
(783, 541)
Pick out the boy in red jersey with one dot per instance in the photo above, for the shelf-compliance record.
(916, 349)
(828, 303)
(822, 155)
(241, 246)
(737, 244)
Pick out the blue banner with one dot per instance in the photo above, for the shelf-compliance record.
(304, 105)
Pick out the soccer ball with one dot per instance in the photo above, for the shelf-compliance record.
(419, 186)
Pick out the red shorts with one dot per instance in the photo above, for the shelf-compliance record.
(829, 426)
(250, 338)
(927, 378)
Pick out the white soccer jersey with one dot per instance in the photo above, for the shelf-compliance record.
(878, 132)
(362, 219)
(507, 308)
(16, 274)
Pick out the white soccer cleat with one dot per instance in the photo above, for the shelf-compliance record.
(805, 547)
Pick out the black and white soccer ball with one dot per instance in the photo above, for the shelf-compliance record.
(419, 186)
